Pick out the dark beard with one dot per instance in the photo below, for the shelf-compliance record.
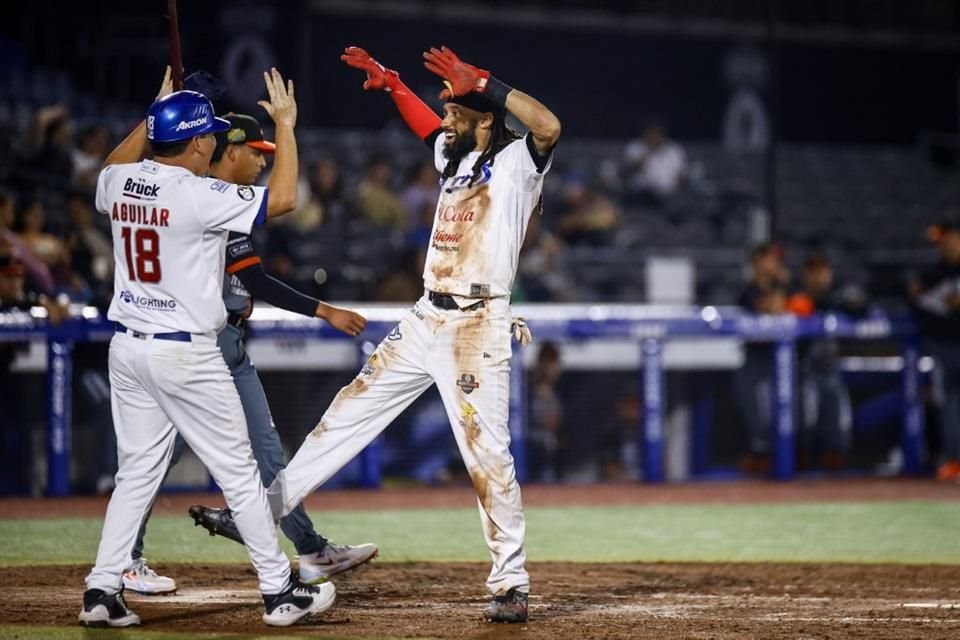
(463, 143)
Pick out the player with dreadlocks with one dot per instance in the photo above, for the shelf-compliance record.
(458, 334)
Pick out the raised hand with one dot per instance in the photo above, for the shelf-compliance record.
(460, 77)
(378, 76)
(282, 107)
(166, 87)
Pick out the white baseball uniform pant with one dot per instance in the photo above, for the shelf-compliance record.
(467, 354)
(156, 384)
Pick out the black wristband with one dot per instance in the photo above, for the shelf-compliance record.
(496, 92)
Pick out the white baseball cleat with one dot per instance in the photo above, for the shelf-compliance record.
(296, 601)
(142, 579)
(334, 559)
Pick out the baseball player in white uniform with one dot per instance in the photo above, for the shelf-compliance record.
(457, 335)
(170, 226)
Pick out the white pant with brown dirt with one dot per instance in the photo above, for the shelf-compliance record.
(467, 354)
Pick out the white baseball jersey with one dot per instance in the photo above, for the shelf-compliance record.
(169, 232)
(477, 231)
(473, 253)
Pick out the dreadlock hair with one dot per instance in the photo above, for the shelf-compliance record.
(500, 136)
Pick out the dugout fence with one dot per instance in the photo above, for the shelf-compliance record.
(640, 344)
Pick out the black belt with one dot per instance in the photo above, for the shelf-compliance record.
(446, 301)
(236, 319)
(178, 336)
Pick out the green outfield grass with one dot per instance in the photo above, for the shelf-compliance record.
(869, 532)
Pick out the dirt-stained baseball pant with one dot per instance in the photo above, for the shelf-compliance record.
(467, 354)
(264, 439)
(158, 382)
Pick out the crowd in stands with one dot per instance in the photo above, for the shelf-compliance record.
(366, 205)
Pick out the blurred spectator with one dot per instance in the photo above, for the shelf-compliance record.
(32, 227)
(44, 154)
(308, 216)
(654, 166)
(421, 194)
(767, 271)
(90, 249)
(376, 198)
(87, 158)
(826, 415)
(541, 276)
(935, 299)
(326, 184)
(588, 217)
(546, 414)
(308, 248)
(284, 241)
(820, 292)
(40, 279)
(402, 282)
(305, 219)
(619, 439)
(765, 294)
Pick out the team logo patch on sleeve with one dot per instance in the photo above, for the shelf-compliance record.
(240, 249)
(245, 193)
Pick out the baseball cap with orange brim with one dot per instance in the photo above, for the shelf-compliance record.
(246, 130)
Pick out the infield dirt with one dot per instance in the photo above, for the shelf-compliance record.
(569, 600)
(614, 601)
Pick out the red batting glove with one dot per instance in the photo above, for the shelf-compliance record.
(460, 77)
(378, 76)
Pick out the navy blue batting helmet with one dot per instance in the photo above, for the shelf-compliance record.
(182, 115)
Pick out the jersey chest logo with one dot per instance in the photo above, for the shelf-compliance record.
(459, 182)
(140, 189)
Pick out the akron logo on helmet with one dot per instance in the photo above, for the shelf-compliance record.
(245, 192)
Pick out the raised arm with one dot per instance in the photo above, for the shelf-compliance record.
(462, 78)
(282, 109)
(421, 119)
(133, 148)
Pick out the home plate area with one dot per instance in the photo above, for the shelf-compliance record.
(613, 601)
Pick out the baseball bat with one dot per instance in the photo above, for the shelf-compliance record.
(176, 58)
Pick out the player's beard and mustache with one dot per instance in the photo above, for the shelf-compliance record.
(463, 143)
